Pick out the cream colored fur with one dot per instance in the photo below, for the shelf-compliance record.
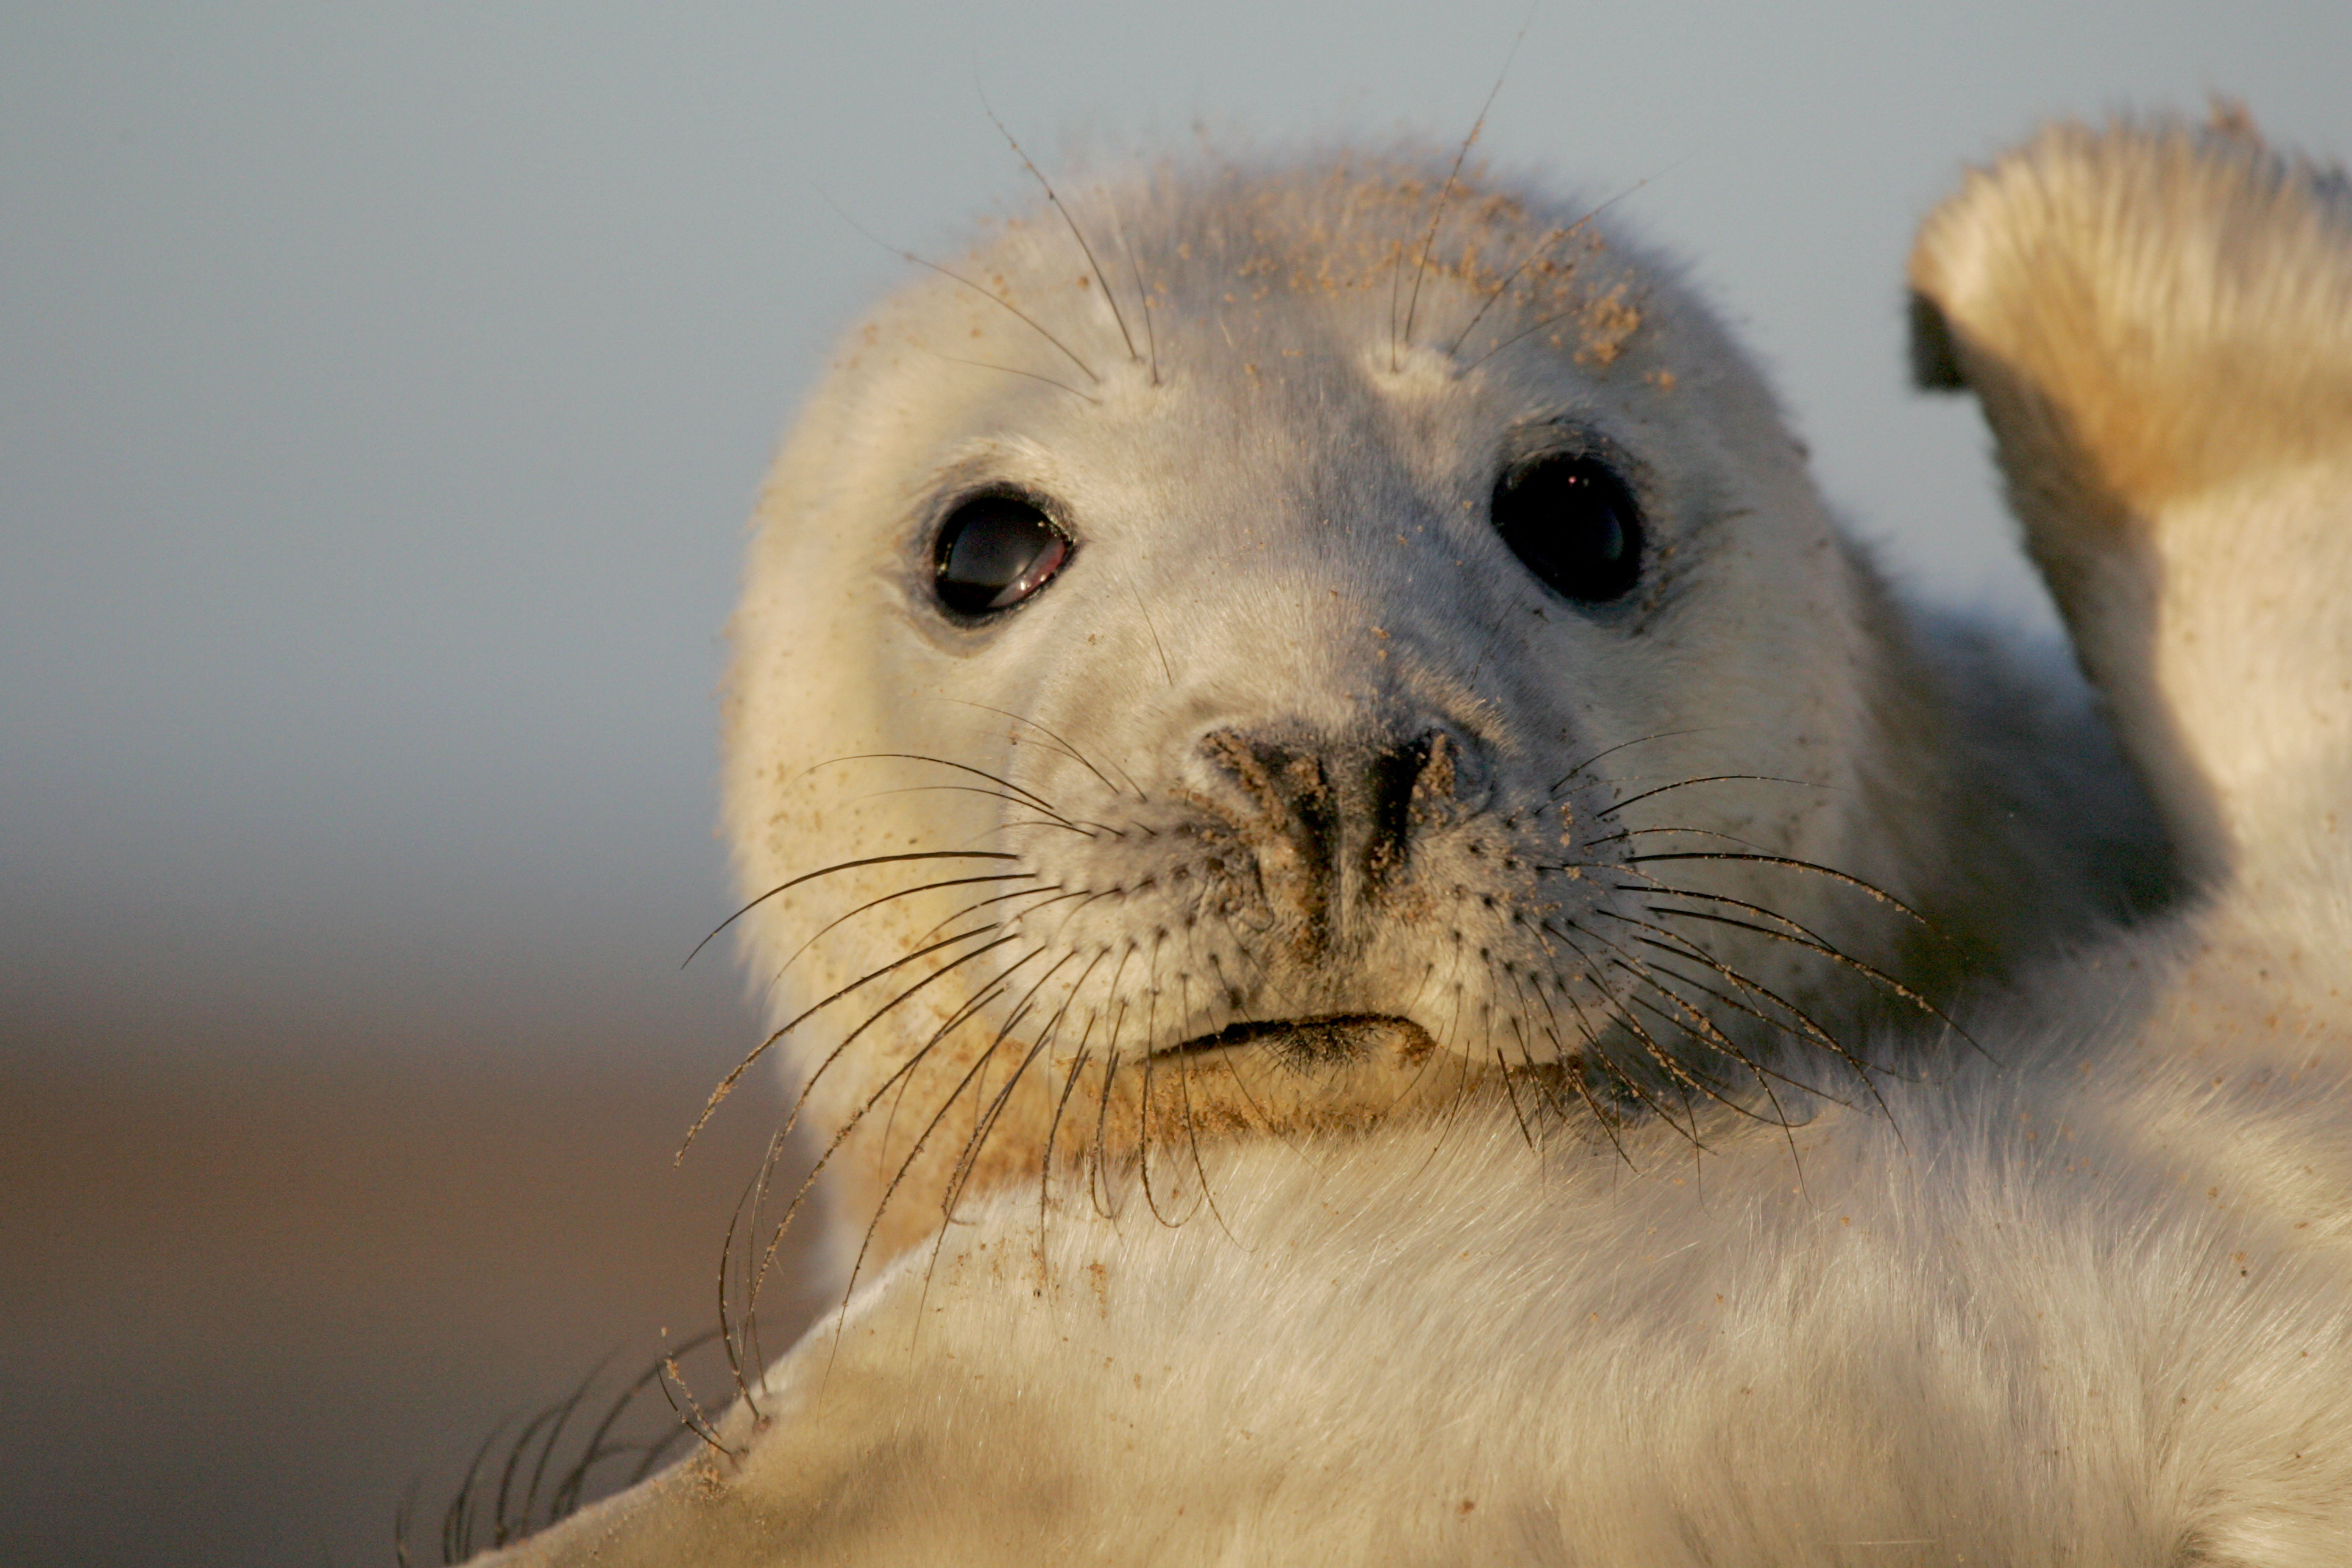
(2077, 1292)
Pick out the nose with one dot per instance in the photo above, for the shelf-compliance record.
(1334, 823)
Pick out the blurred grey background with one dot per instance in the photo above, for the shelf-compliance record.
(381, 393)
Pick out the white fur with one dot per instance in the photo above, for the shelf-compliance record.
(2078, 1291)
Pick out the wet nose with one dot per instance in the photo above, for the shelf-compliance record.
(1334, 823)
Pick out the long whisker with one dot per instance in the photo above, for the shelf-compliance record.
(993, 794)
(846, 866)
(1024, 317)
(1811, 1029)
(1061, 1106)
(904, 893)
(1694, 1022)
(1068, 750)
(1571, 1064)
(1711, 778)
(1069, 1085)
(961, 1175)
(1421, 267)
(735, 1353)
(1086, 250)
(1031, 795)
(987, 991)
(984, 1119)
(1633, 1025)
(1012, 370)
(1192, 1135)
(1562, 783)
(1831, 954)
(1690, 1022)
(1527, 331)
(727, 1084)
(1682, 948)
(1879, 894)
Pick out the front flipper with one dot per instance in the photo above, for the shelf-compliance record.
(2158, 320)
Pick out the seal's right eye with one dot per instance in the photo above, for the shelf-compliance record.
(993, 551)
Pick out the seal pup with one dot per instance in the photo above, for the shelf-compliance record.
(1263, 645)
(2080, 1296)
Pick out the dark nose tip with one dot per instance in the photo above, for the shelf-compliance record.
(1333, 824)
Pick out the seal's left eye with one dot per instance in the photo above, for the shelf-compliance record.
(1573, 522)
(993, 551)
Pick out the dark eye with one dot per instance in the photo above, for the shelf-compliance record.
(993, 551)
(1572, 523)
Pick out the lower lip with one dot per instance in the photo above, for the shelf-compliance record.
(1334, 1037)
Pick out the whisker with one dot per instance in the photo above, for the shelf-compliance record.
(1653, 887)
(905, 893)
(458, 1519)
(1527, 331)
(995, 988)
(1683, 947)
(1572, 1063)
(1554, 238)
(846, 866)
(1024, 317)
(673, 1386)
(1031, 795)
(727, 1084)
(1437, 216)
(1633, 1025)
(967, 1160)
(1010, 370)
(1143, 296)
(768, 1163)
(1692, 1023)
(726, 1337)
(567, 1497)
(1879, 894)
(1562, 783)
(1711, 778)
(1069, 1085)
(1192, 1136)
(1086, 250)
(1061, 1106)
(1829, 952)
(913, 1152)
(1068, 750)
(800, 1101)
(961, 1175)
(1675, 945)
(987, 991)
(1151, 1054)
(1084, 826)
(1110, 1078)
(1012, 919)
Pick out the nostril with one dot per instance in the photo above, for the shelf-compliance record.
(1281, 778)
(1333, 822)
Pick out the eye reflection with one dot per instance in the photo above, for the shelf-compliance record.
(992, 552)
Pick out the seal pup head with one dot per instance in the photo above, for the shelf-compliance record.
(1329, 639)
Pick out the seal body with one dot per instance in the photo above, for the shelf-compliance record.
(1299, 792)
(2071, 1289)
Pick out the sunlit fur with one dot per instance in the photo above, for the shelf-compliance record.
(2074, 1290)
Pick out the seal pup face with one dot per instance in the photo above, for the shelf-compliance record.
(1361, 643)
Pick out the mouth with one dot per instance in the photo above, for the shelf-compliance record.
(1331, 1039)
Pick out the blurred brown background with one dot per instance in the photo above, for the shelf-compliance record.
(270, 1259)
(382, 390)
